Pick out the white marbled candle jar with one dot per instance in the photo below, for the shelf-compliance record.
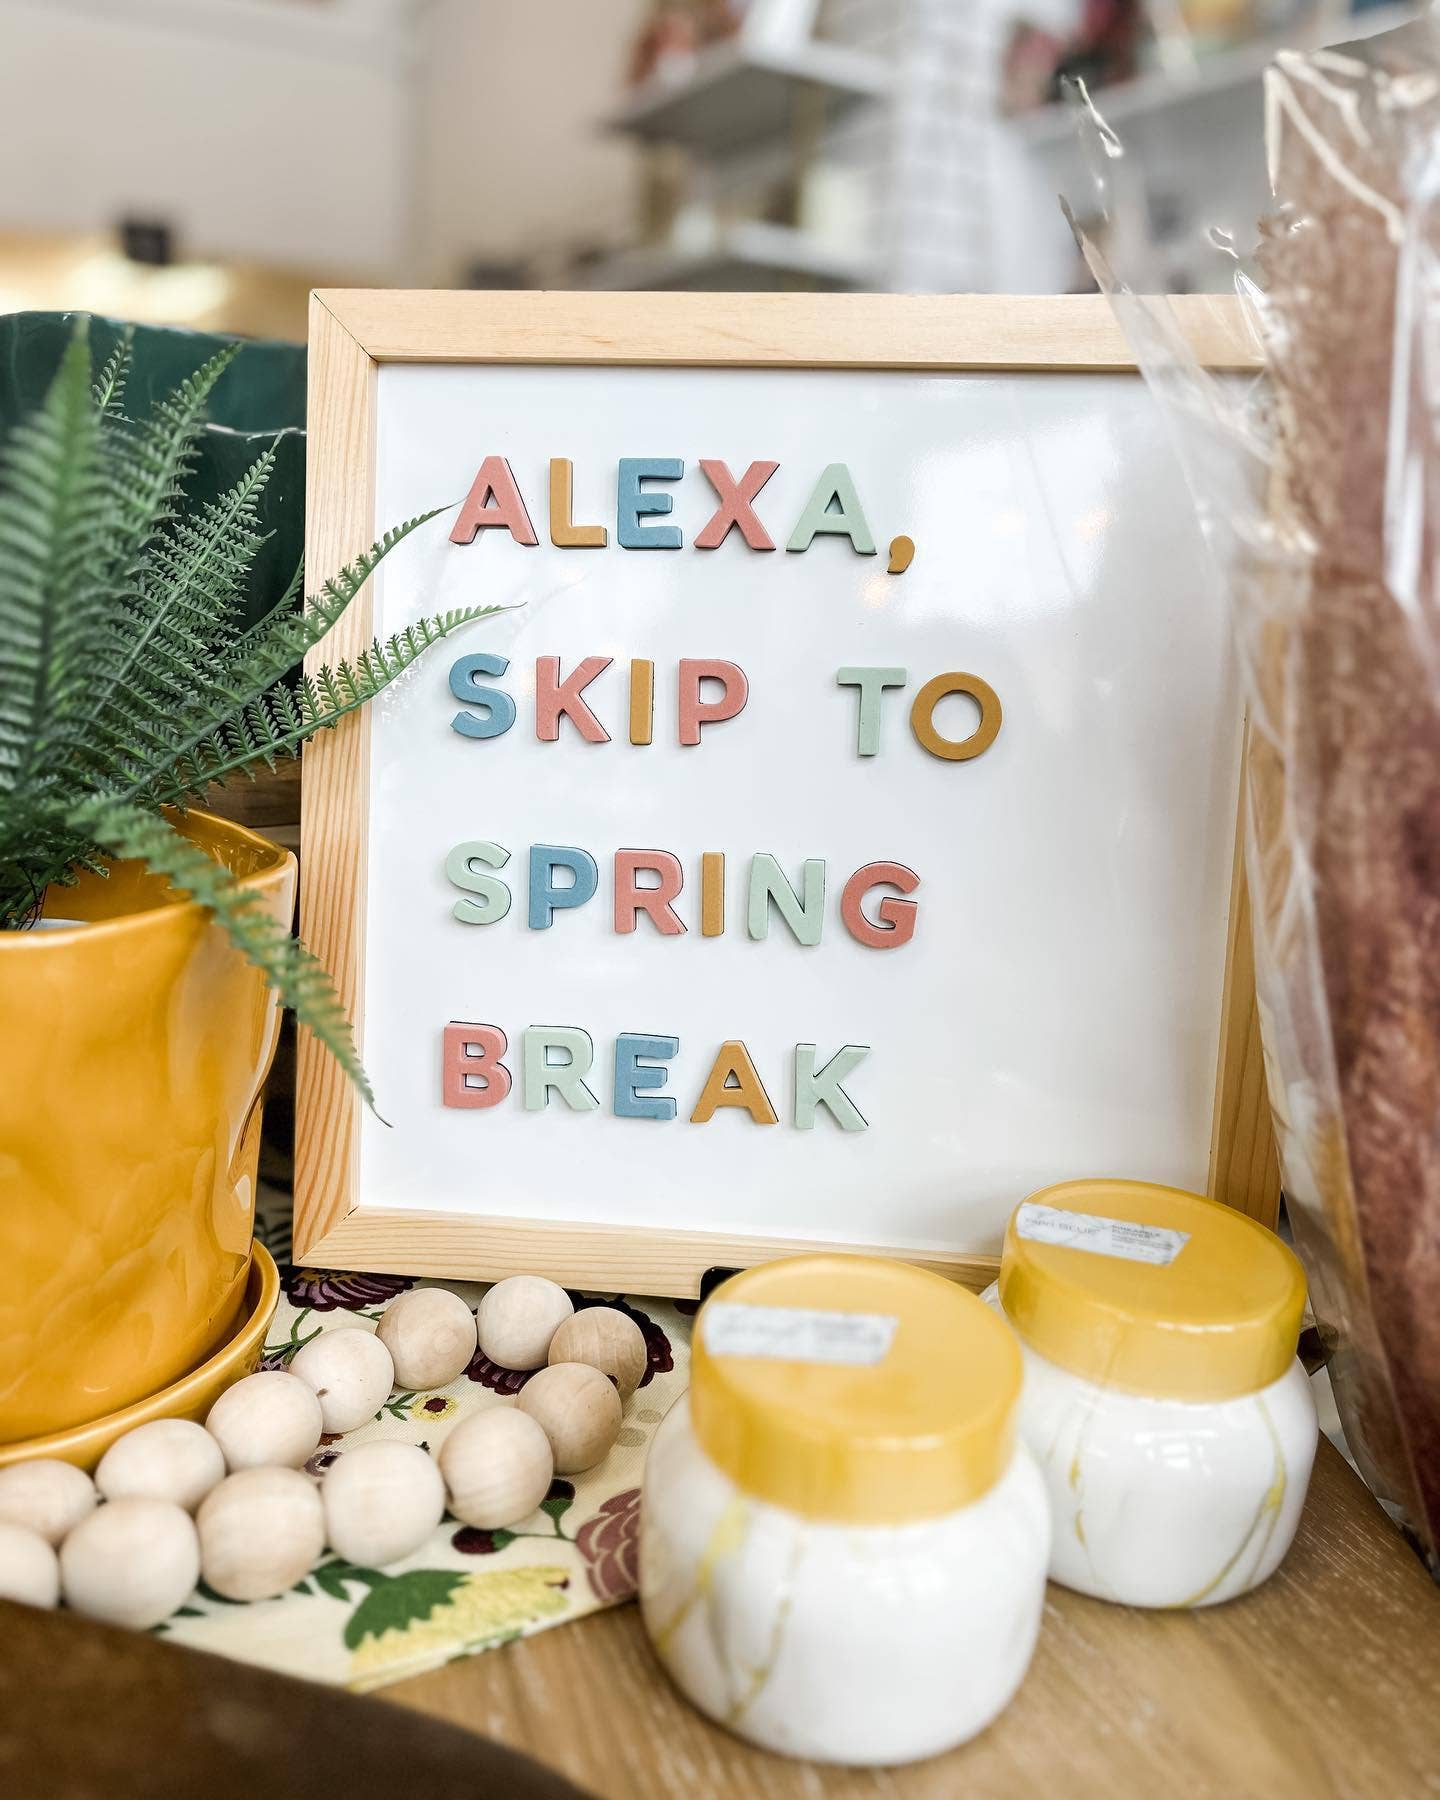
(1188, 1494)
(862, 1580)
(838, 1643)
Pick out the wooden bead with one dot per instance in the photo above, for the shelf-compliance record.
(578, 1409)
(29, 1568)
(430, 1334)
(381, 1501)
(517, 1319)
(497, 1467)
(260, 1531)
(271, 1419)
(168, 1459)
(351, 1373)
(607, 1340)
(47, 1497)
(132, 1562)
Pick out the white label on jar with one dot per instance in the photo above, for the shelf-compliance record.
(798, 1334)
(1105, 1237)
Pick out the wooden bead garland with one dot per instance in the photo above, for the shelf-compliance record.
(47, 1497)
(29, 1567)
(131, 1562)
(608, 1340)
(351, 1372)
(167, 1459)
(381, 1501)
(497, 1467)
(518, 1318)
(260, 1528)
(269, 1419)
(579, 1411)
(260, 1531)
(430, 1334)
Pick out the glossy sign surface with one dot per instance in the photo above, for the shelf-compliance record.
(1057, 1009)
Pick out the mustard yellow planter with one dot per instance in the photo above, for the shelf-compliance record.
(132, 1052)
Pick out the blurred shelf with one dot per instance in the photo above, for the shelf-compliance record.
(743, 258)
(1218, 73)
(734, 97)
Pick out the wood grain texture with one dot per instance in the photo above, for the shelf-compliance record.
(613, 1258)
(339, 515)
(1319, 1686)
(1244, 1158)
(832, 331)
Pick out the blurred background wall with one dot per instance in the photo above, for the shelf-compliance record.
(208, 161)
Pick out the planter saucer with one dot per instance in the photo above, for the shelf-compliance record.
(191, 1397)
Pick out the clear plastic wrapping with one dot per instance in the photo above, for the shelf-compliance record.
(1318, 491)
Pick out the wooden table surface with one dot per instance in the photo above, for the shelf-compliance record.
(1324, 1682)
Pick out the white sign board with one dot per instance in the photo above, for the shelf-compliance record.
(1031, 992)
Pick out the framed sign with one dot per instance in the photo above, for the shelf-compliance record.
(833, 841)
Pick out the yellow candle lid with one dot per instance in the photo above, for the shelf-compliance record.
(1151, 1290)
(854, 1390)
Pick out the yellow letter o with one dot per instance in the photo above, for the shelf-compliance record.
(930, 696)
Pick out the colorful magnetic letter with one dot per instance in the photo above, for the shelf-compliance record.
(494, 901)
(821, 1087)
(735, 505)
(902, 554)
(733, 1081)
(712, 893)
(555, 698)
(897, 917)
(563, 533)
(633, 1078)
(633, 502)
(695, 712)
(834, 488)
(546, 899)
(567, 1077)
(472, 1073)
(642, 700)
(494, 480)
(499, 714)
(631, 899)
(871, 683)
(768, 882)
(930, 696)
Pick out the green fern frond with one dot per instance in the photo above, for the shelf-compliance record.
(277, 722)
(294, 588)
(149, 463)
(56, 514)
(109, 388)
(300, 981)
(38, 849)
(163, 643)
(126, 685)
(274, 645)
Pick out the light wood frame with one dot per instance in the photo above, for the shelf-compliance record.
(352, 332)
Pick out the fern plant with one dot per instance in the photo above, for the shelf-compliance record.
(128, 682)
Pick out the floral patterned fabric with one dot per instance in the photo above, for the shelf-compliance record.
(465, 1590)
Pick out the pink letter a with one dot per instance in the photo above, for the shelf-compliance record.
(477, 514)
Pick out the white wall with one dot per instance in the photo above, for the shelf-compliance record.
(265, 131)
(513, 160)
(380, 140)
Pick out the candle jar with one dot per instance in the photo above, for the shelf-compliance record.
(1163, 1401)
(843, 1543)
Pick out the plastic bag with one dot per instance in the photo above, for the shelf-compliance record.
(1319, 492)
